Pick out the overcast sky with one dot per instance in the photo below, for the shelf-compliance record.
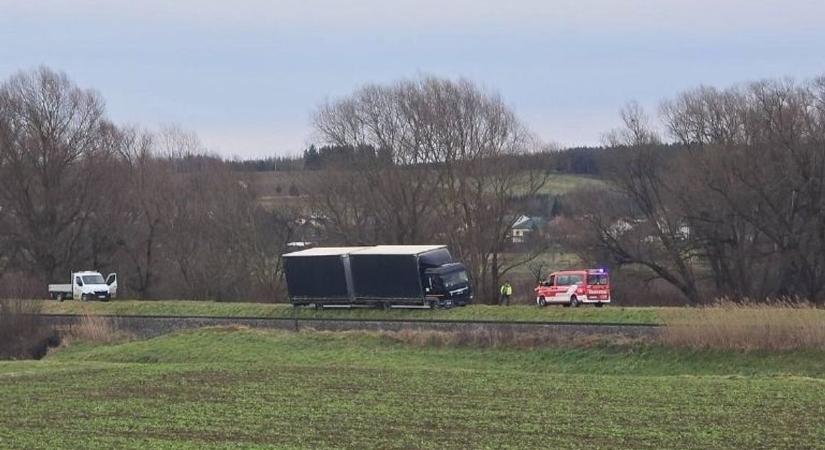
(246, 74)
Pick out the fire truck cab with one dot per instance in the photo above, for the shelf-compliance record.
(574, 288)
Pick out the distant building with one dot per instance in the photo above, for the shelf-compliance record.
(308, 230)
(525, 225)
(299, 245)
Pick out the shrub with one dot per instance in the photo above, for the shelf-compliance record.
(23, 332)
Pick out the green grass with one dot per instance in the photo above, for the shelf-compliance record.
(473, 312)
(560, 183)
(220, 388)
(565, 183)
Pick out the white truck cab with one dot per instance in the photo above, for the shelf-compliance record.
(86, 285)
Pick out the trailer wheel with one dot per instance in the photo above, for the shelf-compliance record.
(574, 302)
(542, 301)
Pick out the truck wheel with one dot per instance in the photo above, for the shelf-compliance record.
(574, 302)
(433, 304)
(542, 301)
(599, 305)
(60, 297)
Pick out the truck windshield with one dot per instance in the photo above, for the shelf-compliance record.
(93, 279)
(597, 279)
(455, 279)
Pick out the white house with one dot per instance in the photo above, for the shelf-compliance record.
(523, 226)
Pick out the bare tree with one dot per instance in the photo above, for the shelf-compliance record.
(436, 163)
(652, 233)
(757, 152)
(149, 190)
(738, 198)
(53, 139)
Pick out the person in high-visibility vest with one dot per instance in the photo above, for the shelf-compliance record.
(506, 292)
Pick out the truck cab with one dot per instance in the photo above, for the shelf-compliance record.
(448, 285)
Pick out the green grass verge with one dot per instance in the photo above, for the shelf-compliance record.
(219, 388)
(473, 312)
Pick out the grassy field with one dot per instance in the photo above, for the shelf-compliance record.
(222, 388)
(473, 312)
(565, 183)
(278, 189)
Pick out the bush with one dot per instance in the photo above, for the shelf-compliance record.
(20, 284)
(23, 333)
(631, 288)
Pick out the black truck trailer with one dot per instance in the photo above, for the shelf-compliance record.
(383, 276)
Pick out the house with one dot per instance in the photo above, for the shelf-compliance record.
(523, 226)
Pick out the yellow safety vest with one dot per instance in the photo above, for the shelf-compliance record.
(506, 289)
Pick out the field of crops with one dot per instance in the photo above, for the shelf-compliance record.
(219, 388)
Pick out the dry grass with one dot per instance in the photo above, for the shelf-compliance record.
(778, 326)
(95, 329)
(505, 339)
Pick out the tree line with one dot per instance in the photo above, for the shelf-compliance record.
(733, 206)
(79, 192)
(416, 162)
(722, 196)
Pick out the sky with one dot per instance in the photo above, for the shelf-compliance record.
(246, 75)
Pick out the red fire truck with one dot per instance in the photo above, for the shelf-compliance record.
(574, 287)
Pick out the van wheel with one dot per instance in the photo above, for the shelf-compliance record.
(599, 305)
(574, 302)
(542, 301)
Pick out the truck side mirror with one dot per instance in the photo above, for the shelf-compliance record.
(78, 281)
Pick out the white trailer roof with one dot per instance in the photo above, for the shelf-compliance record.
(325, 251)
(398, 249)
